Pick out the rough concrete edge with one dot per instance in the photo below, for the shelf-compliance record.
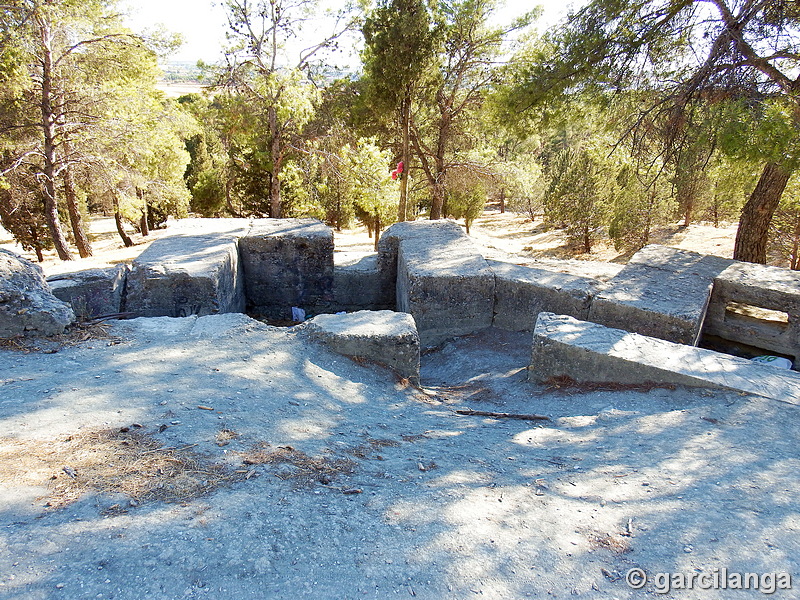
(315, 334)
(563, 356)
(597, 286)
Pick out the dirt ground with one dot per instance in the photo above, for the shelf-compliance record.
(223, 458)
(507, 236)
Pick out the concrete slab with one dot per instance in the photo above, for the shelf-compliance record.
(183, 275)
(287, 262)
(587, 351)
(758, 306)
(521, 293)
(91, 292)
(234, 227)
(385, 337)
(442, 280)
(662, 292)
(357, 283)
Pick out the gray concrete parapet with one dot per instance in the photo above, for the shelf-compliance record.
(662, 292)
(183, 275)
(27, 306)
(287, 262)
(588, 352)
(442, 280)
(385, 337)
(521, 293)
(758, 306)
(357, 283)
(91, 292)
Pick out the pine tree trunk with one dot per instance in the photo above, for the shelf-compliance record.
(144, 226)
(502, 200)
(37, 246)
(405, 122)
(277, 163)
(753, 232)
(439, 203)
(377, 231)
(275, 197)
(49, 131)
(118, 222)
(75, 216)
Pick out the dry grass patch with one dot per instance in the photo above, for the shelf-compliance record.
(613, 542)
(110, 461)
(76, 334)
(305, 469)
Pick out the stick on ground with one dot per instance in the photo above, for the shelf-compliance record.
(500, 415)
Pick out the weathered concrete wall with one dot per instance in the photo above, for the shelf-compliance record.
(662, 292)
(91, 292)
(385, 337)
(591, 352)
(287, 262)
(357, 283)
(521, 293)
(184, 275)
(27, 307)
(442, 280)
(760, 287)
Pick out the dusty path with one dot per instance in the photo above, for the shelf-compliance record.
(351, 486)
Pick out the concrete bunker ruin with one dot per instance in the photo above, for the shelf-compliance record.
(432, 271)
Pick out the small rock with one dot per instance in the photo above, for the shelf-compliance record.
(688, 548)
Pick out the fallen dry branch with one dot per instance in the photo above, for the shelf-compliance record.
(568, 385)
(502, 415)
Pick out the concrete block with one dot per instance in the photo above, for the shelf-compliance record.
(183, 275)
(385, 337)
(234, 227)
(287, 262)
(357, 283)
(592, 269)
(91, 292)
(758, 306)
(521, 293)
(442, 280)
(662, 292)
(27, 307)
(587, 351)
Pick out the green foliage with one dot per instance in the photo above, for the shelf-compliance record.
(99, 120)
(578, 193)
(761, 130)
(466, 195)
(21, 213)
(400, 41)
(785, 227)
(366, 168)
(640, 206)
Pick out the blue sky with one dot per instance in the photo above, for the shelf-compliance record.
(202, 22)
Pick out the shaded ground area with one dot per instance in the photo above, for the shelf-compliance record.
(308, 475)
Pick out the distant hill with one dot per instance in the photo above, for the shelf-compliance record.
(181, 71)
